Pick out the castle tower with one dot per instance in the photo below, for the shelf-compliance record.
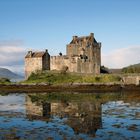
(88, 51)
(36, 61)
(47, 60)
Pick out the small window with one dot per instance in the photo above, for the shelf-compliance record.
(81, 56)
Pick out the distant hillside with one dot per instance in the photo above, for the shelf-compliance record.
(9, 74)
(132, 69)
(136, 65)
(115, 71)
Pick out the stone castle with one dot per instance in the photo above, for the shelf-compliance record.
(83, 55)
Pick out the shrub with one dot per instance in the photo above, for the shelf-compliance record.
(4, 80)
(97, 79)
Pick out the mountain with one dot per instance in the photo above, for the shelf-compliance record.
(6, 73)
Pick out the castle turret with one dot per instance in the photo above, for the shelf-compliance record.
(47, 60)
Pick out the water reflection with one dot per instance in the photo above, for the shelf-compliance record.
(12, 105)
(70, 116)
(82, 117)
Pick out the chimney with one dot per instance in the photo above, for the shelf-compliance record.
(30, 53)
(92, 38)
(92, 34)
(75, 37)
(46, 50)
(99, 44)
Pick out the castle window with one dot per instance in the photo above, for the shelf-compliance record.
(81, 56)
(84, 57)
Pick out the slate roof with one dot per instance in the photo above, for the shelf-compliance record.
(35, 54)
(81, 39)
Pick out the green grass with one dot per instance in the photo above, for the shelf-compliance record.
(59, 78)
(132, 69)
(4, 81)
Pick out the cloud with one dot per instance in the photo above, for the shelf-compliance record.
(16, 101)
(121, 57)
(12, 55)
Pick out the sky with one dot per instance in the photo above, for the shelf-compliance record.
(50, 24)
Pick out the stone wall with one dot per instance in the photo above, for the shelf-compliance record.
(58, 62)
(32, 65)
(131, 80)
(74, 64)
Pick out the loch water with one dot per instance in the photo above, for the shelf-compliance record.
(70, 116)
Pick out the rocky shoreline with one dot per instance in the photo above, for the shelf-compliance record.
(75, 87)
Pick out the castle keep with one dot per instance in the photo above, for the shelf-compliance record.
(36, 61)
(83, 55)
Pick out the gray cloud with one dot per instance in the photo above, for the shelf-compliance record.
(12, 55)
(121, 57)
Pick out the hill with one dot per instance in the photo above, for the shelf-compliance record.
(6, 73)
(110, 71)
(115, 71)
(132, 69)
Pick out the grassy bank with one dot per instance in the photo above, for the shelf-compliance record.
(61, 78)
(4, 81)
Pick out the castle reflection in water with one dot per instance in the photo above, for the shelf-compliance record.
(82, 117)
